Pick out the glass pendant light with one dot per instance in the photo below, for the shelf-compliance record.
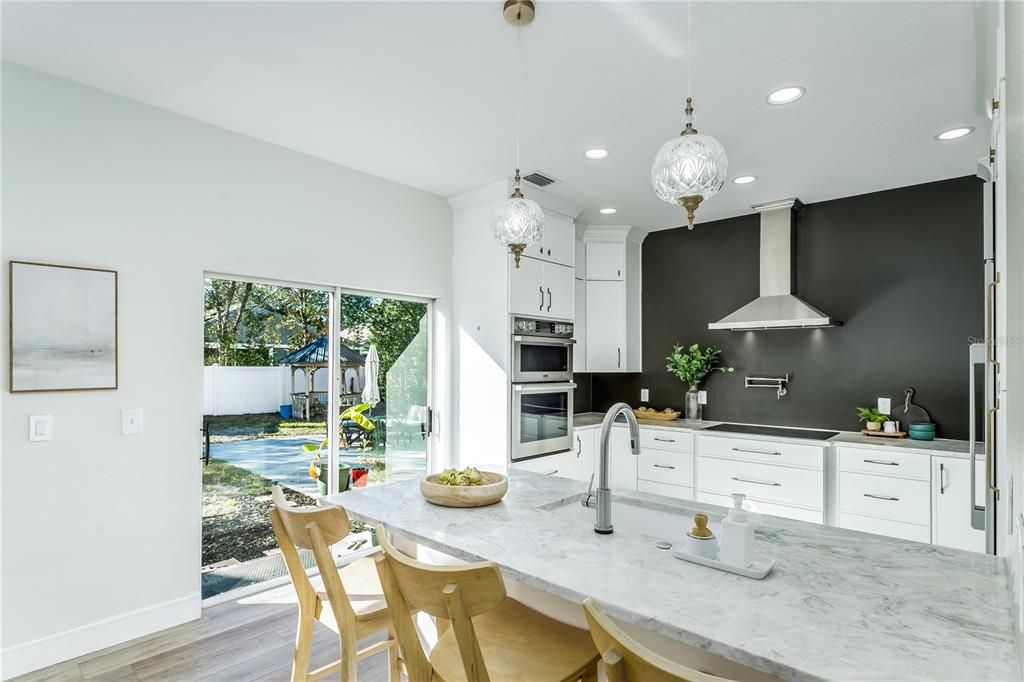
(692, 167)
(518, 221)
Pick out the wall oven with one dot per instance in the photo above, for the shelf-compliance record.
(541, 419)
(541, 350)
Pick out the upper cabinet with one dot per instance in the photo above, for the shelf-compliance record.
(606, 261)
(541, 289)
(612, 324)
(558, 245)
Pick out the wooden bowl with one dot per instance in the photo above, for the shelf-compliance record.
(490, 491)
(658, 416)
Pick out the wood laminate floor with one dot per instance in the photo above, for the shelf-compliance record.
(248, 639)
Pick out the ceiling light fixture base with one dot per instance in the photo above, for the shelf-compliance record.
(517, 252)
(519, 12)
(690, 204)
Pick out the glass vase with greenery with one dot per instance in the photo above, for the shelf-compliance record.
(691, 366)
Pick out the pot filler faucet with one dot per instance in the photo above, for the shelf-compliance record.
(604, 494)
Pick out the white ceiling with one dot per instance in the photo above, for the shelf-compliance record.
(423, 92)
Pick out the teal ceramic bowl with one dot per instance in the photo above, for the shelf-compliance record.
(922, 431)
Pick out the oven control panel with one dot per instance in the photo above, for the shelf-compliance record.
(534, 327)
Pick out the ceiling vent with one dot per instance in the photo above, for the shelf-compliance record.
(540, 179)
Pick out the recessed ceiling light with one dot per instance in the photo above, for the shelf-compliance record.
(596, 154)
(954, 133)
(744, 179)
(609, 211)
(786, 95)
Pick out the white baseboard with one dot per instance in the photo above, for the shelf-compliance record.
(24, 658)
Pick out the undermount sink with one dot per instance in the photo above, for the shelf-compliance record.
(630, 518)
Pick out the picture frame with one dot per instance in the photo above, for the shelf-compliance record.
(63, 327)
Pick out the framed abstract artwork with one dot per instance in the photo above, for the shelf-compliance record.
(63, 327)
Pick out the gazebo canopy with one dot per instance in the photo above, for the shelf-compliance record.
(314, 353)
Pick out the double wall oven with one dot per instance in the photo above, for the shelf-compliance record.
(542, 387)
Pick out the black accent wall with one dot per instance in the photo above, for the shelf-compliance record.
(902, 269)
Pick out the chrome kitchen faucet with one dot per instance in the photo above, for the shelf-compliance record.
(604, 493)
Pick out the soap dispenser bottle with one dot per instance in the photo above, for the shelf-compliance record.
(737, 535)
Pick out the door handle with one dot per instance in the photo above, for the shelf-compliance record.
(990, 450)
(579, 447)
(882, 497)
(664, 466)
(758, 452)
(618, 363)
(551, 473)
(665, 440)
(882, 462)
(541, 306)
(549, 299)
(991, 341)
(753, 480)
(942, 478)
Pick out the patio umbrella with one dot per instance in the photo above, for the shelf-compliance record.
(371, 394)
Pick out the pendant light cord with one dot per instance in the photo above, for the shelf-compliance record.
(519, 88)
(689, 48)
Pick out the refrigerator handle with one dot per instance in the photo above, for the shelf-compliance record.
(978, 357)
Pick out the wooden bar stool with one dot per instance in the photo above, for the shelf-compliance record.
(491, 636)
(627, 660)
(357, 606)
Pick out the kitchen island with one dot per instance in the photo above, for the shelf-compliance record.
(839, 605)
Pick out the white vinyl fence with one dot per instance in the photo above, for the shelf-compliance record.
(246, 390)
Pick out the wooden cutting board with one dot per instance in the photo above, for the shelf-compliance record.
(908, 413)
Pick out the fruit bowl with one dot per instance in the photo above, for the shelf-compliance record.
(491, 489)
(666, 415)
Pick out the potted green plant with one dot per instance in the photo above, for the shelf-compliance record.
(355, 413)
(872, 418)
(318, 472)
(691, 365)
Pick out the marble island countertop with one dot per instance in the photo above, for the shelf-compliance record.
(840, 604)
(940, 446)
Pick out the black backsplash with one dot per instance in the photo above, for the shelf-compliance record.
(902, 269)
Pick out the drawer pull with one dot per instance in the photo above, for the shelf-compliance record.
(551, 473)
(664, 466)
(882, 497)
(882, 462)
(751, 480)
(758, 452)
(665, 440)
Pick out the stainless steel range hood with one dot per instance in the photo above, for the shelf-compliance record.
(776, 307)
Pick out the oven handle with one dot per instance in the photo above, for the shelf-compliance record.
(542, 388)
(543, 341)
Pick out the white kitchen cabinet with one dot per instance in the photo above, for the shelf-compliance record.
(951, 493)
(541, 289)
(558, 245)
(606, 326)
(613, 324)
(606, 261)
(886, 492)
(584, 454)
(581, 260)
(579, 352)
(559, 464)
(665, 465)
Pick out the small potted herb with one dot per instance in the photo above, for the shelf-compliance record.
(691, 365)
(872, 418)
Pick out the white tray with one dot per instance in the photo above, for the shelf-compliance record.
(757, 570)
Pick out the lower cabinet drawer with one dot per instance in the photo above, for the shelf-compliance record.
(898, 499)
(801, 487)
(663, 439)
(550, 465)
(663, 466)
(679, 492)
(761, 507)
(888, 527)
(884, 462)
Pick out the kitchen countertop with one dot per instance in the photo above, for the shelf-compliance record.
(839, 605)
(940, 446)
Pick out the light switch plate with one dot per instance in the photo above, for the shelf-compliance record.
(131, 421)
(885, 405)
(40, 427)
(645, 395)
(702, 397)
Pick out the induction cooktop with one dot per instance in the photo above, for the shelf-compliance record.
(782, 432)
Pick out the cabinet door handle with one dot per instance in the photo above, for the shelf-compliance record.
(579, 447)
(882, 497)
(882, 462)
(549, 300)
(990, 450)
(664, 466)
(549, 252)
(991, 314)
(665, 440)
(758, 452)
(551, 473)
(618, 363)
(942, 478)
(752, 480)
(541, 306)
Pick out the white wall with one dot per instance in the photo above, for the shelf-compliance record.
(101, 532)
(246, 390)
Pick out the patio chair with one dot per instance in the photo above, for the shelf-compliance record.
(357, 608)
